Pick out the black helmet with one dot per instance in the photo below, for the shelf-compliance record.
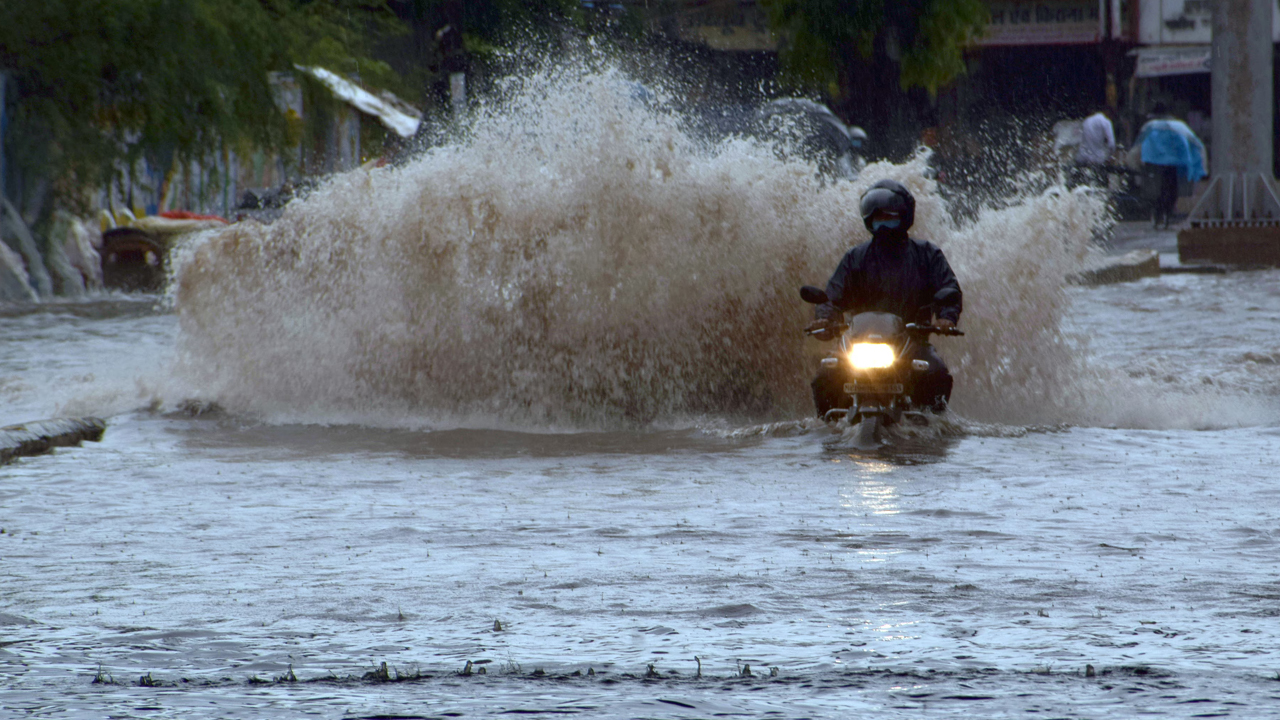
(890, 196)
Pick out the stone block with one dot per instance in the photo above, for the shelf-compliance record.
(37, 438)
(1108, 269)
(1231, 244)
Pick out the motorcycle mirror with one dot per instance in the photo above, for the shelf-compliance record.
(813, 295)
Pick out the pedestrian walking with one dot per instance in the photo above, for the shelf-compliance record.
(1170, 152)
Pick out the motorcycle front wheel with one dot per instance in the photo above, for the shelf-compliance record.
(868, 433)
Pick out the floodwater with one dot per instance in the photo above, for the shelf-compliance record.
(613, 511)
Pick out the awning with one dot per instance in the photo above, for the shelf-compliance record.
(395, 120)
(1158, 61)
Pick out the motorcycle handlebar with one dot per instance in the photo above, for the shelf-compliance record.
(911, 327)
(833, 329)
(934, 329)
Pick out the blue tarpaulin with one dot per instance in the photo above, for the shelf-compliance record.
(1171, 142)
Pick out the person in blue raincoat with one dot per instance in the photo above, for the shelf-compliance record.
(1171, 151)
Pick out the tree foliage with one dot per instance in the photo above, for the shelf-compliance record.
(100, 83)
(926, 37)
(494, 20)
(449, 35)
(501, 21)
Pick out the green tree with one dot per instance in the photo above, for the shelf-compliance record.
(98, 84)
(455, 35)
(926, 38)
(502, 21)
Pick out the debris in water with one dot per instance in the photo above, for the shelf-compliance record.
(379, 674)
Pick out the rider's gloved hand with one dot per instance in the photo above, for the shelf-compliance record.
(945, 324)
(821, 329)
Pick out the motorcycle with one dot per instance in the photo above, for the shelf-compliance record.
(876, 350)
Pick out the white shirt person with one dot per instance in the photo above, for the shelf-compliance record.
(1097, 140)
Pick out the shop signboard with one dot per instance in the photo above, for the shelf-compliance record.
(1044, 22)
(1185, 22)
(1158, 61)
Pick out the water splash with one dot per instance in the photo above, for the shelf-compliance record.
(581, 259)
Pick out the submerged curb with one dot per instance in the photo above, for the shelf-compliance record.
(1110, 269)
(37, 438)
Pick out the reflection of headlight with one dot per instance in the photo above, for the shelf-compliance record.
(868, 356)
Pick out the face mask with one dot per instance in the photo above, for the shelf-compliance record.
(878, 225)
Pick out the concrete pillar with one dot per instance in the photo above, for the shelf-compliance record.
(1241, 87)
(1237, 220)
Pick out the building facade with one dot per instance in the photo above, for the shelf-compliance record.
(1038, 59)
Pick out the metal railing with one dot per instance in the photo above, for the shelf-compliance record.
(1245, 199)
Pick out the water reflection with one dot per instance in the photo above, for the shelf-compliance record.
(921, 447)
(890, 632)
(870, 491)
(867, 467)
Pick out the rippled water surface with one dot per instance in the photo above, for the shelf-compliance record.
(975, 575)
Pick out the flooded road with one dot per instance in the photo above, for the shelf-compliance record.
(201, 564)
(516, 429)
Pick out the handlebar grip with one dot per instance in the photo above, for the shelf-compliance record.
(833, 330)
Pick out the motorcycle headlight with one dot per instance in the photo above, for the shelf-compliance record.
(871, 356)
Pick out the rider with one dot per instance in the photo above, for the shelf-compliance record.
(892, 273)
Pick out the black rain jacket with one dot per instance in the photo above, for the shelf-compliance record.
(893, 275)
